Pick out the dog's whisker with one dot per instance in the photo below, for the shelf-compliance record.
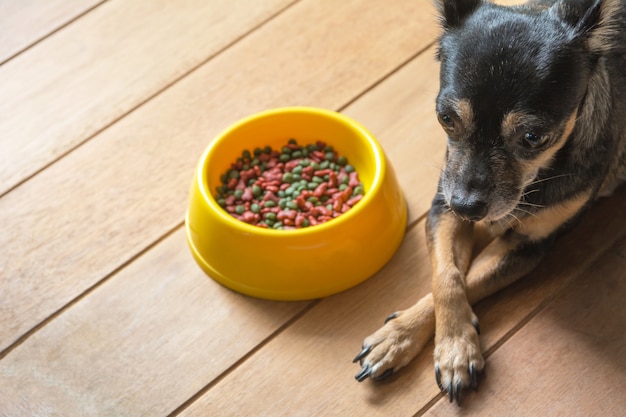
(548, 179)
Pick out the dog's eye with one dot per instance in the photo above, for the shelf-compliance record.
(446, 121)
(533, 140)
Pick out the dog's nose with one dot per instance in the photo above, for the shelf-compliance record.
(469, 207)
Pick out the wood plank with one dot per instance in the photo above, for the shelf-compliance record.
(25, 22)
(570, 360)
(401, 113)
(306, 370)
(142, 344)
(99, 206)
(85, 77)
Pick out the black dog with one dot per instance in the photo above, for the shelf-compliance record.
(533, 100)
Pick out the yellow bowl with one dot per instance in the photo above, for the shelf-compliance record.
(305, 263)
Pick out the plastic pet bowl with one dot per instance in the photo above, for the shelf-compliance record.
(310, 262)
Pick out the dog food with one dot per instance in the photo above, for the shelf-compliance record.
(296, 187)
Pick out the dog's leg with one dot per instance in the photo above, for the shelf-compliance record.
(406, 332)
(457, 355)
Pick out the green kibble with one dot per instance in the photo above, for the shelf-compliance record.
(343, 187)
(269, 203)
(240, 209)
(255, 162)
(305, 162)
(329, 207)
(349, 168)
(324, 164)
(221, 202)
(292, 205)
(305, 152)
(238, 193)
(288, 177)
(297, 177)
(312, 199)
(281, 193)
(305, 223)
(330, 156)
(270, 216)
(324, 198)
(329, 148)
(251, 182)
(312, 185)
(317, 179)
(333, 166)
(257, 151)
(284, 157)
(342, 160)
(282, 203)
(345, 180)
(246, 154)
(297, 170)
(292, 141)
(315, 166)
(267, 150)
(277, 226)
(358, 190)
(296, 154)
(285, 149)
(245, 167)
(256, 190)
(224, 178)
(255, 208)
(289, 191)
(311, 147)
(233, 174)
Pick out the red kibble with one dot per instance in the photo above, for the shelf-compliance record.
(264, 196)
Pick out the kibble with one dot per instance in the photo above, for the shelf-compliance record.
(294, 187)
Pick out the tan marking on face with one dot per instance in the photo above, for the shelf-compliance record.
(465, 112)
(543, 223)
(543, 161)
(511, 122)
(514, 121)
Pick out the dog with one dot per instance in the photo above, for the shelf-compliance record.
(533, 101)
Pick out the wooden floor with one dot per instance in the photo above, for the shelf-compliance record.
(105, 107)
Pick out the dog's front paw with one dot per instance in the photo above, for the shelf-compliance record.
(394, 345)
(458, 359)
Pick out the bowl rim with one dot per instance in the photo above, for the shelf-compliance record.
(222, 215)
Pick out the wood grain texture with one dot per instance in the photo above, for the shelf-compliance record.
(24, 22)
(96, 208)
(142, 344)
(85, 77)
(400, 112)
(570, 360)
(307, 367)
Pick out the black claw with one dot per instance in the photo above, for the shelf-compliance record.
(438, 377)
(476, 326)
(391, 317)
(363, 353)
(450, 393)
(364, 374)
(384, 375)
(457, 393)
(473, 377)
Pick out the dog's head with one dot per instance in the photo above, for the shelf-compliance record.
(512, 80)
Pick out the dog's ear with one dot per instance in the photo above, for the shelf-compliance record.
(593, 20)
(454, 12)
